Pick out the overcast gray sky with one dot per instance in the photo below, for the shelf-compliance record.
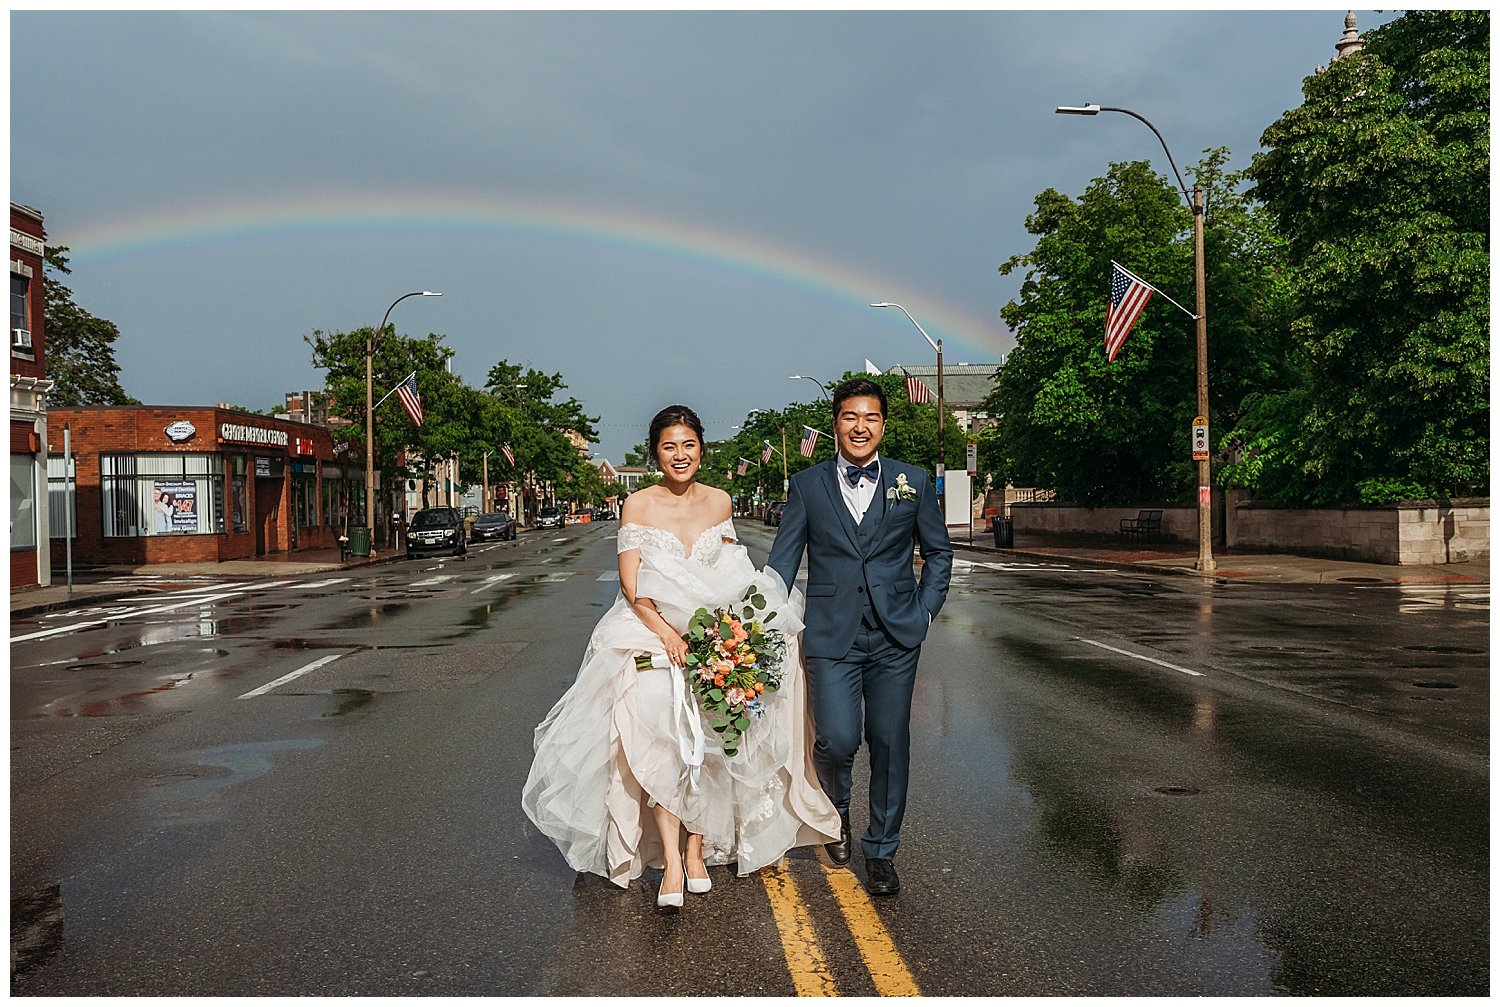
(661, 206)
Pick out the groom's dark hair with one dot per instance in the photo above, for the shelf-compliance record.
(853, 389)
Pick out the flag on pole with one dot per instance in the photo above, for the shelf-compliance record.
(508, 453)
(809, 438)
(744, 465)
(1128, 295)
(765, 455)
(406, 391)
(870, 368)
(916, 391)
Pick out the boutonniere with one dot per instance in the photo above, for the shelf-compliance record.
(901, 491)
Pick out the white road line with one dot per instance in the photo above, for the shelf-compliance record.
(434, 580)
(490, 582)
(558, 540)
(613, 575)
(325, 583)
(291, 675)
(553, 578)
(1143, 657)
(59, 630)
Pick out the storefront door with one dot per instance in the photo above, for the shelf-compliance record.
(270, 474)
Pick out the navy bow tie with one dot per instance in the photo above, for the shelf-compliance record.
(855, 472)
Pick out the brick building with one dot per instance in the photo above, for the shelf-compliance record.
(180, 484)
(29, 565)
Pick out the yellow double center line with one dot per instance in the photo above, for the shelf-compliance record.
(811, 975)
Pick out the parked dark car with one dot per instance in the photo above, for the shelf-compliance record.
(499, 526)
(773, 513)
(436, 529)
(603, 514)
(549, 517)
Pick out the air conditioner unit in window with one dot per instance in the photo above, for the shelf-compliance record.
(20, 339)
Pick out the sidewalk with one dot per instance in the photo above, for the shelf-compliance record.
(101, 584)
(1180, 558)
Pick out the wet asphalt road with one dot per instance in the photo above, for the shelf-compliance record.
(1121, 785)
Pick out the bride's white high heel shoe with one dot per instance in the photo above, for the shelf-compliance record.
(672, 900)
(699, 886)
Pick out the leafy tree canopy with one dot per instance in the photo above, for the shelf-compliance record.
(1099, 431)
(80, 348)
(1379, 182)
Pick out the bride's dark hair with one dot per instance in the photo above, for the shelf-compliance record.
(673, 416)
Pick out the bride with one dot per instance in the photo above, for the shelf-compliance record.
(616, 781)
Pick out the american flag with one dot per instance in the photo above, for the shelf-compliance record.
(744, 465)
(916, 391)
(406, 391)
(510, 455)
(809, 438)
(765, 454)
(1128, 295)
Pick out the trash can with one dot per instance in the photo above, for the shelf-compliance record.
(1005, 535)
(359, 541)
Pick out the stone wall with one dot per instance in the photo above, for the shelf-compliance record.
(1418, 532)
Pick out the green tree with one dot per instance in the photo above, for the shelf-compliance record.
(447, 406)
(1103, 432)
(80, 347)
(1379, 182)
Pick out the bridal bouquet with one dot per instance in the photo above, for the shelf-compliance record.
(733, 660)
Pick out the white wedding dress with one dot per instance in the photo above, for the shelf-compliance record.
(613, 746)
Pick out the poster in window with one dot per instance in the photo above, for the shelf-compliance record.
(174, 506)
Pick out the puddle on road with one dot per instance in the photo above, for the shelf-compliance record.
(347, 701)
(36, 927)
(239, 763)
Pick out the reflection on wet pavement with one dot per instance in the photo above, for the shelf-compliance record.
(241, 763)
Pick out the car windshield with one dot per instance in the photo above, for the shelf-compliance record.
(546, 511)
(433, 519)
(490, 519)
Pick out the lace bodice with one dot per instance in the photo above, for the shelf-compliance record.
(704, 550)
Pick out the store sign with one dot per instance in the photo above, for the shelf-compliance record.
(262, 467)
(239, 433)
(302, 446)
(180, 431)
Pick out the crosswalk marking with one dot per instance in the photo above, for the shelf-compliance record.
(605, 578)
(129, 614)
(490, 582)
(291, 675)
(430, 581)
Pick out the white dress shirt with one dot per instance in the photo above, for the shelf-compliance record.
(857, 498)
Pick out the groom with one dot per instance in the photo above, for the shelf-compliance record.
(856, 516)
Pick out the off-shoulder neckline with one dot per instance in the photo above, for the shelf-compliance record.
(688, 550)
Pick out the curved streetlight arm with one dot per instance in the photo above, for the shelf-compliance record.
(821, 387)
(415, 293)
(887, 304)
(1092, 109)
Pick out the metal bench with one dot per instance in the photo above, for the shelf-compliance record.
(1145, 526)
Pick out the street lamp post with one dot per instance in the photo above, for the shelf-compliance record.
(1195, 201)
(942, 468)
(821, 387)
(370, 408)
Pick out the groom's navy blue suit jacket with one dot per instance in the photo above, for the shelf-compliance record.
(841, 574)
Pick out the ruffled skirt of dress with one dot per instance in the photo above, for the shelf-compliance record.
(609, 750)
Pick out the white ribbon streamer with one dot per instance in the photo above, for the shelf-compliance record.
(690, 743)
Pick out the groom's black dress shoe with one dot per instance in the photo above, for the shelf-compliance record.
(839, 852)
(880, 876)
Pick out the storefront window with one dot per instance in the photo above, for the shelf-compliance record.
(332, 495)
(177, 494)
(58, 504)
(305, 498)
(237, 494)
(22, 502)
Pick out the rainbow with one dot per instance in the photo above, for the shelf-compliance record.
(204, 228)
